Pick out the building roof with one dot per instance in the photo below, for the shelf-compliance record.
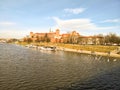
(91, 36)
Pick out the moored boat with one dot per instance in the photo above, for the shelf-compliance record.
(31, 46)
(49, 48)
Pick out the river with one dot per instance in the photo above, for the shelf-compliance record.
(22, 68)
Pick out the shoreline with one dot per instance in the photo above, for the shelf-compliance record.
(89, 52)
(62, 48)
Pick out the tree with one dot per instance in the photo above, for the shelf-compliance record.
(46, 38)
(73, 38)
(28, 40)
(112, 38)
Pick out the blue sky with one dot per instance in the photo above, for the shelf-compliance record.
(88, 17)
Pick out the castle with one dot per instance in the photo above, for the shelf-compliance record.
(72, 37)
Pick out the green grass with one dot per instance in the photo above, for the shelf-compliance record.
(23, 43)
(96, 48)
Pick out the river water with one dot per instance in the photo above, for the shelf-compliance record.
(28, 69)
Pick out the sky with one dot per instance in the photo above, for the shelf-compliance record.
(88, 17)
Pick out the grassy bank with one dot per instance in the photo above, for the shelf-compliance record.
(95, 48)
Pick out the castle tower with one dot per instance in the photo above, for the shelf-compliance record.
(57, 32)
(50, 30)
(31, 34)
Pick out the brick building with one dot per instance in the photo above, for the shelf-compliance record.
(72, 37)
(52, 36)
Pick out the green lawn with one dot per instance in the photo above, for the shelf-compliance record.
(96, 48)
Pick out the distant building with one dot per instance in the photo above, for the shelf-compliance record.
(97, 40)
(72, 37)
(3, 40)
(51, 36)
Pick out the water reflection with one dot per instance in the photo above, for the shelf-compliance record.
(27, 69)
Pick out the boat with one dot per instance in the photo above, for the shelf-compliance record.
(48, 48)
(31, 46)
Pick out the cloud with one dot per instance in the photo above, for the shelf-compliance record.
(74, 10)
(13, 33)
(20, 32)
(112, 20)
(6, 23)
(74, 23)
(78, 24)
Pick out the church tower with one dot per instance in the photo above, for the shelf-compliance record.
(57, 32)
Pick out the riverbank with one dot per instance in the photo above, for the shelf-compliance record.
(90, 52)
(22, 68)
(110, 51)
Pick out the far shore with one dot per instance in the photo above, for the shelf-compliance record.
(90, 52)
(86, 49)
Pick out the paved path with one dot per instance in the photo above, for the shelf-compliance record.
(111, 54)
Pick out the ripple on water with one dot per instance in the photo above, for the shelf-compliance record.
(26, 69)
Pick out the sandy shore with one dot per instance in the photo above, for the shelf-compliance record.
(90, 52)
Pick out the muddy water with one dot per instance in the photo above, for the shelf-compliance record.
(27, 69)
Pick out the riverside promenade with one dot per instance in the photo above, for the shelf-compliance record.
(109, 51)
(110, 54)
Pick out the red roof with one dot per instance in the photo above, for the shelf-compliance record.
(91, 36)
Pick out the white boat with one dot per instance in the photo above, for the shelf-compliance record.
(49, 48)
(31, 46)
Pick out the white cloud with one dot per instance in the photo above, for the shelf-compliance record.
(18, 32)
(13, 33)
(82, 25)
(112, 20)
(74, 23)
(6, 23)
(74, 10)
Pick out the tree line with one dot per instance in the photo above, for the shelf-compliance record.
(109, 39)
